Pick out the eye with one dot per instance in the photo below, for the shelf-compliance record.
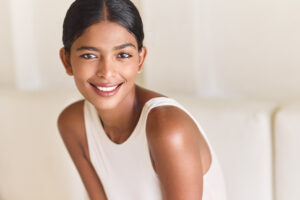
(88, 56)
(124, 55)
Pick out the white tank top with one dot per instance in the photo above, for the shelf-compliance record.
(126, 171)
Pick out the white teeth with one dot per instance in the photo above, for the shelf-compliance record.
(107, 89)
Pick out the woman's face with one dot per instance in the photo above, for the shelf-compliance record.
(104, 61)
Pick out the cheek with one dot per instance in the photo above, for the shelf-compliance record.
(82, 73)
(130, 70)
(82, 70)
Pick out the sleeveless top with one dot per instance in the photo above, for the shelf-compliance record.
(125, 169)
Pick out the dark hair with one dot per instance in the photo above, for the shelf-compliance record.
(84, 13)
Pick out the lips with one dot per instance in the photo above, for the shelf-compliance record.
(107, 89)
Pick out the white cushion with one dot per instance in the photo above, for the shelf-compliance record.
(287, 142)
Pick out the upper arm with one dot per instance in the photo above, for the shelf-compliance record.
(174, 145)
(70, 128)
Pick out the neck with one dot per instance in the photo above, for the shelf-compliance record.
(121, 121)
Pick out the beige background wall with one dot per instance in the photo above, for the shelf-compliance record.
(231, 48)
(6, 65)
(32, 38)
(252, 47)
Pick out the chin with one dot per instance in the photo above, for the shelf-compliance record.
(106, 104)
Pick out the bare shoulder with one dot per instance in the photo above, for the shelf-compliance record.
(172, 124)
(71, 116)
(175, 147)
(70, 123)
(172, 132)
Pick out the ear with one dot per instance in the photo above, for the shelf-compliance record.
(65, 59)
(142, 57)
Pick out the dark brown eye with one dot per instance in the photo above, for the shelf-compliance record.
(88, 56)
(124, 55)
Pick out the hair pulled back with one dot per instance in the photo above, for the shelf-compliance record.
(84, 13)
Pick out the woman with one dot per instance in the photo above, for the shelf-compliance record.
(127, 142)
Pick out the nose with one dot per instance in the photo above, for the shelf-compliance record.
(105, 68)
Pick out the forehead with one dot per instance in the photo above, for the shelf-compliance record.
(105, 34)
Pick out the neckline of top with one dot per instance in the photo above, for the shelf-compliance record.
(136, 129)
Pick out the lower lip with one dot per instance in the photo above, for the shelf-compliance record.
(107, 93)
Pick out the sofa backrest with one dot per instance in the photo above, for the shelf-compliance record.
(34, 162)
(287, 151)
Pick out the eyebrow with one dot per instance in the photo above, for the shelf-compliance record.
(122, 46)
(87, 48)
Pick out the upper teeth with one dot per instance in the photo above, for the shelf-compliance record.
(107, 89)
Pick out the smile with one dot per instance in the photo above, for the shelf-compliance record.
(106, 91)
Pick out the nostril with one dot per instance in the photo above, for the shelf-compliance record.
(99, 74)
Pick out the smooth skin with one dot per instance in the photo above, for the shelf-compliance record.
(107, 53)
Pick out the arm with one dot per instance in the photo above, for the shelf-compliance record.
(174, 144)
(71, 129)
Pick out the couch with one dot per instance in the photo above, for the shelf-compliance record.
(256, 142)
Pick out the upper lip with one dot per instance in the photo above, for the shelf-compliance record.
(105, 84)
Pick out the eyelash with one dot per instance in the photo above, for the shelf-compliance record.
(91, 56)
(88, 56)
(128, 55)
